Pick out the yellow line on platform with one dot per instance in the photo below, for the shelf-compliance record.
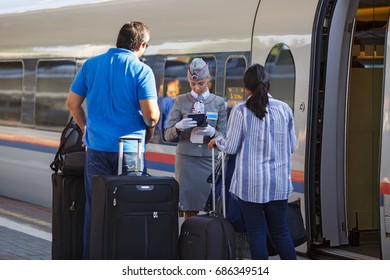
(24, 217)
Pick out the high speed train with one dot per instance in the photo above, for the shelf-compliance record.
(328, 59)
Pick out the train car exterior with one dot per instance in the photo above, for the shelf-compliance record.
(328, 62)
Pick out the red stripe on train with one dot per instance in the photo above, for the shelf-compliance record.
(159, 157)
(384, 188)
(29, 140)
(297, 176)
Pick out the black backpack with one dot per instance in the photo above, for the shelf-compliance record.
(71, 153)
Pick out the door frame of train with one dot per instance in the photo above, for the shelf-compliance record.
(385, 151)
(333, 151)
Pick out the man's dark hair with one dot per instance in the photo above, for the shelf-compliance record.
(131, 35)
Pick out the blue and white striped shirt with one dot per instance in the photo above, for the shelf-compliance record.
(263, 148)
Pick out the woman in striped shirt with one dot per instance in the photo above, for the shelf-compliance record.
(261, 133)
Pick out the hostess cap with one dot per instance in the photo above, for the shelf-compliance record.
(198, 70)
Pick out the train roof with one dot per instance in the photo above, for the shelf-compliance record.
(177, 26)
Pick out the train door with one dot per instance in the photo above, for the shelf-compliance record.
(351, 217)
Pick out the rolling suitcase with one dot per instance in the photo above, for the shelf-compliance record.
(233, 211)
(68, 195)
(210, 236)
(134, 217)
(67, 217)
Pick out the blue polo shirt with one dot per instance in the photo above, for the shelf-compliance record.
(113, 83)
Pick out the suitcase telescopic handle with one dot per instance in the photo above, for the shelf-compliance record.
(139, 149)
(223, 194)
(223, 186)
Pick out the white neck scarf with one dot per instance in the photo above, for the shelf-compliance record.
(199, 105)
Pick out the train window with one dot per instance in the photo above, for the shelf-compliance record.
(53, 81)
(11, 86)
(176, 82)
(234, 83)
(281, 67)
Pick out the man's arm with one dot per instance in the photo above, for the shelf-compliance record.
(74, 103)
(151, 114)
(150, 111)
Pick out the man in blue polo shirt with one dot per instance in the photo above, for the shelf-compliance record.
(121, 96)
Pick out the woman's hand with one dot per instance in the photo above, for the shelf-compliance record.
(212, 144)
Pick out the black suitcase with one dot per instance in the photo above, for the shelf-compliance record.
(134, 217)
(233, 211)
(68, 207)
(210, 236)
(68, 195)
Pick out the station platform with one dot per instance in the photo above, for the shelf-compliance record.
(25, 231)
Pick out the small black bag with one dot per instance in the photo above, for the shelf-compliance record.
(71, 153)
(295, 226)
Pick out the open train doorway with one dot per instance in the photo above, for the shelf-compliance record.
(363, 128)
(353, 161)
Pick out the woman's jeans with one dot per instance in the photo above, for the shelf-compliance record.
(259, 216)
(102, 163)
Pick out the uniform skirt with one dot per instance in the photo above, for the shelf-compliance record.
(191, 174)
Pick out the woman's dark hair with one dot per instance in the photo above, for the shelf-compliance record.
(256, 80)
(131, 35)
